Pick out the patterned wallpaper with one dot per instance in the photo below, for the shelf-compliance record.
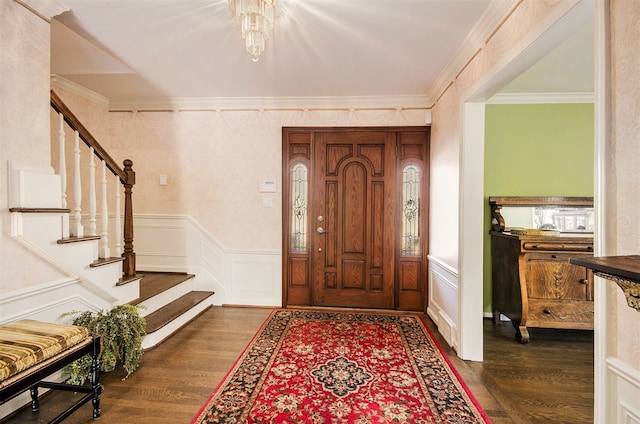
(625, 156)
(214, 161)
(24, 129)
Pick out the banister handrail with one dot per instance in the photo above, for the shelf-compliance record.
(58, 105)
(126, 175)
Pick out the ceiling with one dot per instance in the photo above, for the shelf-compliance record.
(129, 50)
(568, 68)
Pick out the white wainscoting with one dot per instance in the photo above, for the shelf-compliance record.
(443, 299)
(161, 244)
(626, 381)
(170, 243)
(178, 243)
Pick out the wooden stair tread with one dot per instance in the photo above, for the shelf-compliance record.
(105, 261)
(40, 210)
(153, 283)
(171, 311)
(75, 239)
(129, 279)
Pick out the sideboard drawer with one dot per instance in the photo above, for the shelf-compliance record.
(546, 246)
(552, 313)
(551, 276)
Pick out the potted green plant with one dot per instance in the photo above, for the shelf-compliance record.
(121, 331)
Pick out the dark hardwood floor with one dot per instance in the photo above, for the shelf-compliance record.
(549, 380)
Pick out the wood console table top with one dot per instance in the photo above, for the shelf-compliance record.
(625, 267)
(623, 270)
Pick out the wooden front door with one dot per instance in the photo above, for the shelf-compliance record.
(353, 214)
(344, 214)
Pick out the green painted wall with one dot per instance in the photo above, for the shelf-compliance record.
(535, 150)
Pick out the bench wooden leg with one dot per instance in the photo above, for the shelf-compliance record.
(35, 403)
(91, 393)
(96, 388)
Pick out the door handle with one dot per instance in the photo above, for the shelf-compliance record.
(321, 230)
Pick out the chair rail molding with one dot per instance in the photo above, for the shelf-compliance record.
(49, 301)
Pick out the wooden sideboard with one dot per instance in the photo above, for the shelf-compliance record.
(533, 282)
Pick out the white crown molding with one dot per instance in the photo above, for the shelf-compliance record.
(245, 103)
(45, 9)
(271, 103)
(57, 81)
(540, 98)
(477, 37)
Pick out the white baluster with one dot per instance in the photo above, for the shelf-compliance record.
(118, 223)
(77, 229)
(104, 240)
(62, 160)
(92, 193)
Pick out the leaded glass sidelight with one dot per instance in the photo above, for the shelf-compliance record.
(410, 210)
(299, 201)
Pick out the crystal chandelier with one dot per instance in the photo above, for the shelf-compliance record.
(255, 19)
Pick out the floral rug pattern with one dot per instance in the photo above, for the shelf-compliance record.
(308, 366)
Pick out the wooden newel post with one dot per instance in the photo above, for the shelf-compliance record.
(129, 265)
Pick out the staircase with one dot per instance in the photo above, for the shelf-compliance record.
(168, 300)
(79, 240)
(168, 303)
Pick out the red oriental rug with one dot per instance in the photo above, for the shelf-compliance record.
(306, 366)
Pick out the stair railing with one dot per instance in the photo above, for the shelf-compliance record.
(124, 177)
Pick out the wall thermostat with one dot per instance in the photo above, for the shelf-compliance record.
(267, 186)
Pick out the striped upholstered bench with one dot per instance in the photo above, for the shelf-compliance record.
(33, 350)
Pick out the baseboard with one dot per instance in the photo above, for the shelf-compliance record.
(489, 315)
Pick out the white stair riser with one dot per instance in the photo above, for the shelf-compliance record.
(126, 293)
(43, 228)
(161, 299)
(153, 339)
